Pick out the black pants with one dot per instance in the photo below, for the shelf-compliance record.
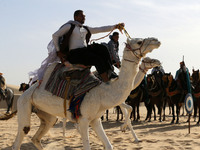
(94, 55)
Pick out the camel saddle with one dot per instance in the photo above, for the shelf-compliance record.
(71, 80)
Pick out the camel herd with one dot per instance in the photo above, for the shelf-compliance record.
(131, 88)
(105, 96)
(161, 90)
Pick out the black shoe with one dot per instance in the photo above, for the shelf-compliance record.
(113, 75)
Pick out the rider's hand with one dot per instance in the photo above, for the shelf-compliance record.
(68, 64)
(120, 26)
(118, 65)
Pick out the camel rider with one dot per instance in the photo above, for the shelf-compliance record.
(113, 47)
(78, 51)
(75, 48)
(158, 68)
(184, 69)
(158, 73)
(2, 84)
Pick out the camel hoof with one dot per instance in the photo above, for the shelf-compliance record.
(137, 141)
(37, 144)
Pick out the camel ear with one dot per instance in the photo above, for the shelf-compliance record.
(192, 70)
(128, 40)
(170, 73)
(198, 70)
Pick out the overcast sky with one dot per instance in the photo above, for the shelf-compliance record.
(26, 27)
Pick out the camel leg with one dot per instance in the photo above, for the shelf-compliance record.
(173, 114)
(134, 113)
(126, 109)
(195, 111)
(177, 112)
(199, 116)
(24, 116)
(107, 111)
(84, 131)
(47, 121)
(64, 126)
(138, 111)
(98, 128)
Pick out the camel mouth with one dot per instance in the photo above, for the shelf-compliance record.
(159, 43)
(155, 41)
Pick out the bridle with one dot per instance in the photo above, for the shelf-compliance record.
(138, 56)
(145, 68)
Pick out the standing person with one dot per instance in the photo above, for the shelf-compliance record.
(70, 44)
(113, 47)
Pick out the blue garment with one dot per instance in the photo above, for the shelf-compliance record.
(187, 78)
(113, 48)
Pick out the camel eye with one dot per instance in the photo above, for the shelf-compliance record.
(139, 42)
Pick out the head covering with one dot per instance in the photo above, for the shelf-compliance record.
(182, 63)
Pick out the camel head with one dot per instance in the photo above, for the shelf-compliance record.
(141, 47)
(148, 63)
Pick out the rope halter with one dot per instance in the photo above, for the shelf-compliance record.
(145, 69)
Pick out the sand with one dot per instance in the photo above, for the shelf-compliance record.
(154, 135)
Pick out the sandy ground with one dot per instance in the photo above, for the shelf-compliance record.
(154, 135)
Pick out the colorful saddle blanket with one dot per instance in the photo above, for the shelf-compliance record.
(79, 82)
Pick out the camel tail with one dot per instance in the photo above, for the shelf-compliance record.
(7, 117)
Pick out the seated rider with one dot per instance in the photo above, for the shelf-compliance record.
(70, 45)
(2, 84)
(158, 73)
(158, 68)
(113, 47)
(184, 69)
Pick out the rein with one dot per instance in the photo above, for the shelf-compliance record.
(140, 55)
(118, 26)
(101, 37)
(132, 61)
(133, 50)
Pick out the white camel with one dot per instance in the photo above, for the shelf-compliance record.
(146, 64)
(96, 101)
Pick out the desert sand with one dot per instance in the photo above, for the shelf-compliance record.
(154, 135)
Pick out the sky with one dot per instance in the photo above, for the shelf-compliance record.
(26, 28)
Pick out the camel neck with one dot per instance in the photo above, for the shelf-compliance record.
(122, 87)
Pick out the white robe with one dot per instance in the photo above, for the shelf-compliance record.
(77, 41)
